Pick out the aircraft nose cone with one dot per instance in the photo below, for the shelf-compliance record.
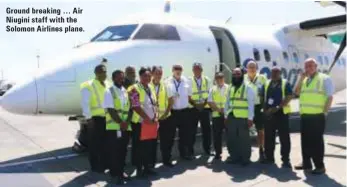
(22, 98)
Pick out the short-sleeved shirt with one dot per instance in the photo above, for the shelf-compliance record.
(327, 84)
(274, 93)
(109, 101)
(221, 90)
(149, 106)
(180, 90)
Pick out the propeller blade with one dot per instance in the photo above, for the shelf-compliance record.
(338, 53)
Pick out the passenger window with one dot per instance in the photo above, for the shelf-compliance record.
(343, 61)
(295, 57)
(256, 54)
(267, 55)
(157, 32)
(326, 60)
(285, 57)
(320, 60)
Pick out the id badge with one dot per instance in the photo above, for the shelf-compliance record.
(270, 101)
(119, 134)
(177, 95)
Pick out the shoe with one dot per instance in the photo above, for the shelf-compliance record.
(287, 165)
(168, 164)
(126, 177)
(139, 172)
(217, 157)
(208, 153)
(302, 167)
(318, 171)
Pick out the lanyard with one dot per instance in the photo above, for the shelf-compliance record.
(177, 85)
(149, 93)
(197, 84)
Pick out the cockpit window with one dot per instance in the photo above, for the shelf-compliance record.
(115, 33)
(157, 32)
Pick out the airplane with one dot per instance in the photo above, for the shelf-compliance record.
(169, 39)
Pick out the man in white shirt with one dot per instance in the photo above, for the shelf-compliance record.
(92, 93)
(200, 110)
(181, 90)
(239, 113)
(216, 99)
(118, 126)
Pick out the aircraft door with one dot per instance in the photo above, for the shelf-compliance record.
(227, 50)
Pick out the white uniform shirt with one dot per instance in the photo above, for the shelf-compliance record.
(109, 101)
(181, 95)
(85, 93)
(250, 100)
(221, 90)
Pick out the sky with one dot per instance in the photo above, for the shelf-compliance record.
(18, 56)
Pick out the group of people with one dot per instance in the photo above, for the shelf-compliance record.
(116, 113)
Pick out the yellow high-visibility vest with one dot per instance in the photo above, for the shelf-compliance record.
(199, 96)
(121, 110)
(312, 96)
(238, 101)
(162, 98)
(96, 97)
(142, 94)
(256, 85)
(286, 109)
(219, 98)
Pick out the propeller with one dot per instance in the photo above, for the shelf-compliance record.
(338, 53)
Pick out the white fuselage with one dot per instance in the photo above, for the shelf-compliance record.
(56, 91)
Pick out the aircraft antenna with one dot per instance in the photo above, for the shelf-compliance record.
(167, 7)
(38, 59)
(229, 19)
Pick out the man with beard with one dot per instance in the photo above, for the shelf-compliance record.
(130, 77)
(239, 113)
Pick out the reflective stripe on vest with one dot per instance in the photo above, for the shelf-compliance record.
(162, 98)
(121, 110)
(256, 85)
(219, 99)
(312, 96)
(238, 104)
(142, 94)
(286, 109)
(199, 96)
(97, 92)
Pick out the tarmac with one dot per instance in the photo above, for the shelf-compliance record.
(36, 151)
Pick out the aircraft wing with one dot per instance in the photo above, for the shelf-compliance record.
(320, 26)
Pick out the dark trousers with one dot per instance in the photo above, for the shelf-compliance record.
(167, 132)
(180, 118)
(117, 148)
(278, 122)
(312, 142)
(96, 142)
(142, 150)
(204, 118)
(238, 139)
(218, 127)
